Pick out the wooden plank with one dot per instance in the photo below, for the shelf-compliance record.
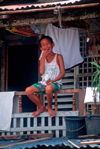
(26, 136)
(42, 123)
(20, 93)
(63, 106)
(37, 128)
(68, 86)
(61, 100)
(90, 142)
(88, 136)
(68, 91)
(69, 74)
(59, 91)
(49, 124)
(57, 125)
(81, 102)
(73, 144)
(25, 142)
(45, 114)
(67, 80)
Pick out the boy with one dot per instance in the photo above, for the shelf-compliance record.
(52, 70)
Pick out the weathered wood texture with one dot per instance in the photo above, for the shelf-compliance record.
(90, 142)
(44, 19)
(25, 142)
(82, 110)
(24, 123)
(73, 144)
(26, 136)
(73, 91)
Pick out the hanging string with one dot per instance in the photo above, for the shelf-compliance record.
(87, 27)
(59, 17)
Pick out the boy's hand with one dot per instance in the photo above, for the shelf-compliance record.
(48, 82)
(45, 53)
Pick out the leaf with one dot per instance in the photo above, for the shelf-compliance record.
(95, 64)
(95, 77)
(95, 72)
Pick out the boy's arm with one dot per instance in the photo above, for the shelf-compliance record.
(42, 65)
(42, 61)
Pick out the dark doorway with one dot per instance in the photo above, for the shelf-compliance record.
(23, 70)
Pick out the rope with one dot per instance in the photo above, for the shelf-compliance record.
(76, 129)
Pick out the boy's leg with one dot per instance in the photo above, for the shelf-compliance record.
(30, 93)
(49, 92)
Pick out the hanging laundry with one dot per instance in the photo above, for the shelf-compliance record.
(77, 24)
(36, 29)
(24, 30)
(6, 107)
(66, 43)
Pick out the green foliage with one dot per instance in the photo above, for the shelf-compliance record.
(96, 77)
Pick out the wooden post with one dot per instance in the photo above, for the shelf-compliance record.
(2, 77)
(56, 103)
(74, 106)
(20, 104)
(7, 69)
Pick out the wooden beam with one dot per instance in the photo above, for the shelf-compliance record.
(53, 19)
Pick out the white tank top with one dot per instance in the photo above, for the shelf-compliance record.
(52, 70)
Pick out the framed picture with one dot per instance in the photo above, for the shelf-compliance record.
(93, 46)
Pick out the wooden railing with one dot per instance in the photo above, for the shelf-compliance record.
(73, 91)
(24, 123)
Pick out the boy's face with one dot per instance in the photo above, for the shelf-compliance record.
(46, 45)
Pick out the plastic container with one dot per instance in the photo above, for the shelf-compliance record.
(93, 124)
(75, 126)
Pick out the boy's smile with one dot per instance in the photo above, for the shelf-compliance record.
(46, 45)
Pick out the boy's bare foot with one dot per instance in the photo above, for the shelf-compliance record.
(51, 112)
(40, 110)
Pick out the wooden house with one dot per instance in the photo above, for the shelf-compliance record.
(19, 59)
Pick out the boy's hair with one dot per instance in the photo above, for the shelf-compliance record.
(47, 37)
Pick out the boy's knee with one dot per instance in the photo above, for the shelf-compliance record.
(48, 89)
(27, 90)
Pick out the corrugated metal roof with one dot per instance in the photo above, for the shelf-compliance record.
(18, 5)
(59, 143)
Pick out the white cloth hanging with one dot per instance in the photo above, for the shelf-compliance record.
(89, 96)
(6, 105)
(66, 43)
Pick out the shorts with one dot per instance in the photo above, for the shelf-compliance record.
(41, 87)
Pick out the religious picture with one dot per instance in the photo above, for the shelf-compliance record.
(94, 45)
